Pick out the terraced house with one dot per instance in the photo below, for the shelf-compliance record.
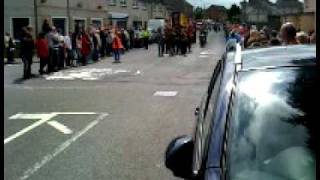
(64, 14)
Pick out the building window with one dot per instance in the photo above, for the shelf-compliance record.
(160, 9)
(97, 23)
(143, 6)
(81, 23)
(123, 3)
(17, 25)
(60, 24)
(112, 2)
(135, 4)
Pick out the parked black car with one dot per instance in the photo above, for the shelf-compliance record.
(257, 119)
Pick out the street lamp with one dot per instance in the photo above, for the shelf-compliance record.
(35, 17)
(69, 17)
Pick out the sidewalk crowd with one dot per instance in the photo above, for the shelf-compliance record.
(252, 37)
(57, 51)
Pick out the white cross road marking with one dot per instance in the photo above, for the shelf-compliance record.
(165, 93)
(44, 117)
(60, 127)
(46, 159)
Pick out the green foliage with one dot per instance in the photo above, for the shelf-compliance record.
(234, 13)
(198, 13)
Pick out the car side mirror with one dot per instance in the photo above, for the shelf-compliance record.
(179, 156)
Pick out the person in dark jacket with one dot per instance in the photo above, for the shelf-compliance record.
(27, 50)
(103, 42)
(160, 41)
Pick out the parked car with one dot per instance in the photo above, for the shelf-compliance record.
(256, 121)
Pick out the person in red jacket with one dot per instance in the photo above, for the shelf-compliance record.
(86, 47)
(42, 51)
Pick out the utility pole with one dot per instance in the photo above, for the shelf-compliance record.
(35, 17)
(69, 17)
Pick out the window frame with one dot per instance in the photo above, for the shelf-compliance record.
(123, 3)
(11, 24)
(66, 23)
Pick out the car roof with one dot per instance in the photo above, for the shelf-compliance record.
(277, 56)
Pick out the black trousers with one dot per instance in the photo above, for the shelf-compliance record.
(61, 58)
(43, 63)
(146, 43)
(103, 49)
(183, 47)
(53, 59)
(27, 62)
(160, 48)
(9, 55)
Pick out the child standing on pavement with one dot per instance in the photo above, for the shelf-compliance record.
(116, 46)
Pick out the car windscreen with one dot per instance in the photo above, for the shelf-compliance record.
(272, 130)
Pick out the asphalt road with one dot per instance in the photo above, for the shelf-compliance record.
(103, 121)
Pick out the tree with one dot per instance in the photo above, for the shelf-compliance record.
(234, 13)
(198, 13)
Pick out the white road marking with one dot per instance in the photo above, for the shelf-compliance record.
(165, 93)
(203, 56)
(60, 148)
(44, 117)
(84, 74)
(60, 127)
(138, 72)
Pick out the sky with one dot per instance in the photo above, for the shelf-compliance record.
(226, 3)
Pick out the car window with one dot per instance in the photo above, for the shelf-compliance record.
(205, 120)
(272, 132)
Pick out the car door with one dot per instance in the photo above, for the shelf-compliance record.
(204, 120)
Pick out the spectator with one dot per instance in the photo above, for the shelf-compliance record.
(102, 36)
(42, 51)
(68, 48)
(254, 40)
(160, 41)
(85, 47)
(313, 39)
(53, 42)
(274, 40)
(27, 50)
(117, 46)
(61, 59)
(109, 43)
(96, 45)
(302, 38)
(288, 34)
(131, 37)
(145, 38)
(9, 47)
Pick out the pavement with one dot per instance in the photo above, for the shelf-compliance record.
(104, 120)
